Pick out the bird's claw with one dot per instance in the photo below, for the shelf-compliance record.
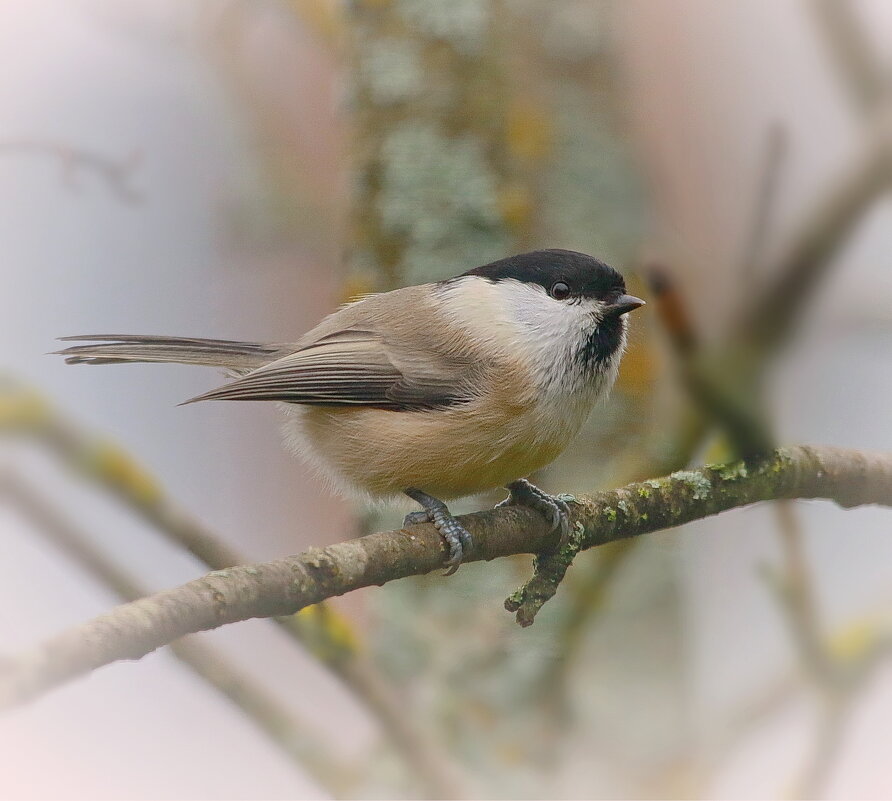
(553, 509)
(457, 537)
(417, 518)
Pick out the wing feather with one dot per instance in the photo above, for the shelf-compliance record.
(354, 367)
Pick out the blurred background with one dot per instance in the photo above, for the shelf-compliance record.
(236, 170)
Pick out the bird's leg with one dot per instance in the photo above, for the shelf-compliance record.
(457, 537)
(554, 510)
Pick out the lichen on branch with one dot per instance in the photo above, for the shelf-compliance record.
(284, 586)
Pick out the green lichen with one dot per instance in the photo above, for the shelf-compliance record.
(645, 516)
(566, 497)
(653, 483)
(573, 543)
(220, 573)
(782, 458)
(439, 194)
(462, 23)
(733, 471)
(699, 484)
(592, 177)
(610, 513)
(513, 601)
(392, 70)
(644, 492)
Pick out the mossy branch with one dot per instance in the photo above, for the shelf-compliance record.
(284, 586)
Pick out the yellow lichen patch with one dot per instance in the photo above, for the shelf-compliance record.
(111, 464)
(355, 286)
(852, 642)
(22, 408)
(528, 131)
(515, 205)
(326, 632)
(324, 17)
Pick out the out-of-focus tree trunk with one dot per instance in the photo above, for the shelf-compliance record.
(445, 147)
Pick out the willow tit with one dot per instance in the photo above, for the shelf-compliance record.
(434, 391)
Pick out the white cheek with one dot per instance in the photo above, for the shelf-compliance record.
(553, 332)
(546, 325)
(521, 320)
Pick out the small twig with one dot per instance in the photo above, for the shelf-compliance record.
(284, 729)
(118, 175)
(863, 77)
(765, 198)
(811, 784)
(284, 586)
(798, 596)
(671, 310)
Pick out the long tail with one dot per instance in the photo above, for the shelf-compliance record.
(122, 348)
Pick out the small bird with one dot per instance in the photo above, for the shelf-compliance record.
(435, 391)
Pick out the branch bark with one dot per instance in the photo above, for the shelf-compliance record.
(284, 586)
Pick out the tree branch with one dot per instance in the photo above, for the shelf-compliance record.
(284, 586)
(294, 738)
(857, 67)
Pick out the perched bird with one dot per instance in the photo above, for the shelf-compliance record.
(436, 391)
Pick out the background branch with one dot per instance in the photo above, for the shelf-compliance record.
(305, 748)
(325, 633)
(863, 78)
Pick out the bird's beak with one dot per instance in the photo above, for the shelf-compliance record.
(624, 304)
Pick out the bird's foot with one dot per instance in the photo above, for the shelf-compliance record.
(554, 510)
(456, 535)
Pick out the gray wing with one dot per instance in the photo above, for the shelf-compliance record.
(355, 367)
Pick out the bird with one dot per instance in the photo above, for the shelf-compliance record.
(435, 391)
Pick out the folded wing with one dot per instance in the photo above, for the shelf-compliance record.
(355, 367)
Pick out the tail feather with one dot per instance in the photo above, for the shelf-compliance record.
(123, 348)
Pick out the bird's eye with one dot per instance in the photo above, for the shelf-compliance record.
(560, 291)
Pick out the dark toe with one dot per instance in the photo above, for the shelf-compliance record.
(417, 518)
(457, 538)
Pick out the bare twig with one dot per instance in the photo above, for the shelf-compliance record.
(820, 762)
(118, 175)
(758, 234)
(283, 586)
(328, 635)
(291, 735)
(798, 595)
(863, 77)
